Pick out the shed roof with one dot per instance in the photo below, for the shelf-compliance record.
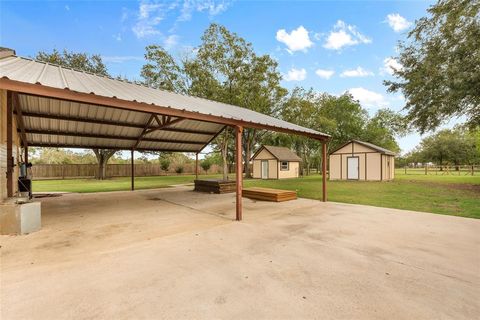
(280, 153)
(368, 145)
(71, 108)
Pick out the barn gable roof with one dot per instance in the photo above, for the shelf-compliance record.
(280, 153)
(368, 145)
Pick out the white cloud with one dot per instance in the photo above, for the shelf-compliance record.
(170, 41)
(297, 40)
(124, 16)
(151, 13)
(212, 7)
(358, 72)
(344, 35)
(397, 22)
(368, 98)
(120, 59)
(390, 65)
(325, 74)
(149, 16)
(67, 7)
(117, 37)
(296, 75)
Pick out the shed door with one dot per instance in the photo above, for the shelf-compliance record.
(352, 168)
(264, 169)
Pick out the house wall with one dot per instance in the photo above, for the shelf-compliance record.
(361, 148)
(257, 169)
(372, 165)
(264, 155)
(345, 149)
(334, 167)
(257, 165)
(3, 147)
(292, 172)
(388, 167)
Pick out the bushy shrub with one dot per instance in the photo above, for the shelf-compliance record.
(179, 169)
(165, 165)
(206, 165)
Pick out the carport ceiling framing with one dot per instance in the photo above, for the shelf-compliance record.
(197, 137)
(154, 119)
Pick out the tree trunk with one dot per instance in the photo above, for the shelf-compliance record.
(248, 141)
(224, 151)
(103, 155)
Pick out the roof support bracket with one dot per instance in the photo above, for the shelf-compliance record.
(164, 122)
(19, 116)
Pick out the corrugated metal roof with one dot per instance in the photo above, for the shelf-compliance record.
(53, 121)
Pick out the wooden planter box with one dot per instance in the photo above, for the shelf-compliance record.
(215, 186)
(267, 194)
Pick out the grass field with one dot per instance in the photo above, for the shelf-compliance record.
(443, 194)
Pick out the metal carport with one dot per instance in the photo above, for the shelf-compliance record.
(59, 107)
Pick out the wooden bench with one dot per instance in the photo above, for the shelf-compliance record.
(267, 194)
(215, 186)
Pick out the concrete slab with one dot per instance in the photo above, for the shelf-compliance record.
(174, 253)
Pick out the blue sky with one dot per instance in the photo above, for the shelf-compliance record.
(332, 46)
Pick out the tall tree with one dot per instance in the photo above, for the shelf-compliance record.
(162, 71)
(440, 66)
(453, 147)
(303, 107)
(225, 68)
(89, 63)
(347, 116)
(383, 128)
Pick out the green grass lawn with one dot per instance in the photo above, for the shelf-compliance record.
(114, 184)
(442, 194)
(451, 195)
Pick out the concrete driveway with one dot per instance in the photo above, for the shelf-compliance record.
(176, 254)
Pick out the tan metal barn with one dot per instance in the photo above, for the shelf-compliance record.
(271, 162)
(358, 160)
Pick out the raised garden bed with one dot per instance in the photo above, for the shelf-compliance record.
(267, 194)
(215, 185)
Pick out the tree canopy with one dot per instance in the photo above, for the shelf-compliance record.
(225, 67)
(458, 146)
(76, 60)
(440, 73)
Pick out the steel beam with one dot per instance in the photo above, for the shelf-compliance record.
(132, 160)
(324, 171)
(9, 144)
(238, 172)
(111, 123)
(113, 102)
(19, 116)
(53, 145)
(104, 136)
(196, 166)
